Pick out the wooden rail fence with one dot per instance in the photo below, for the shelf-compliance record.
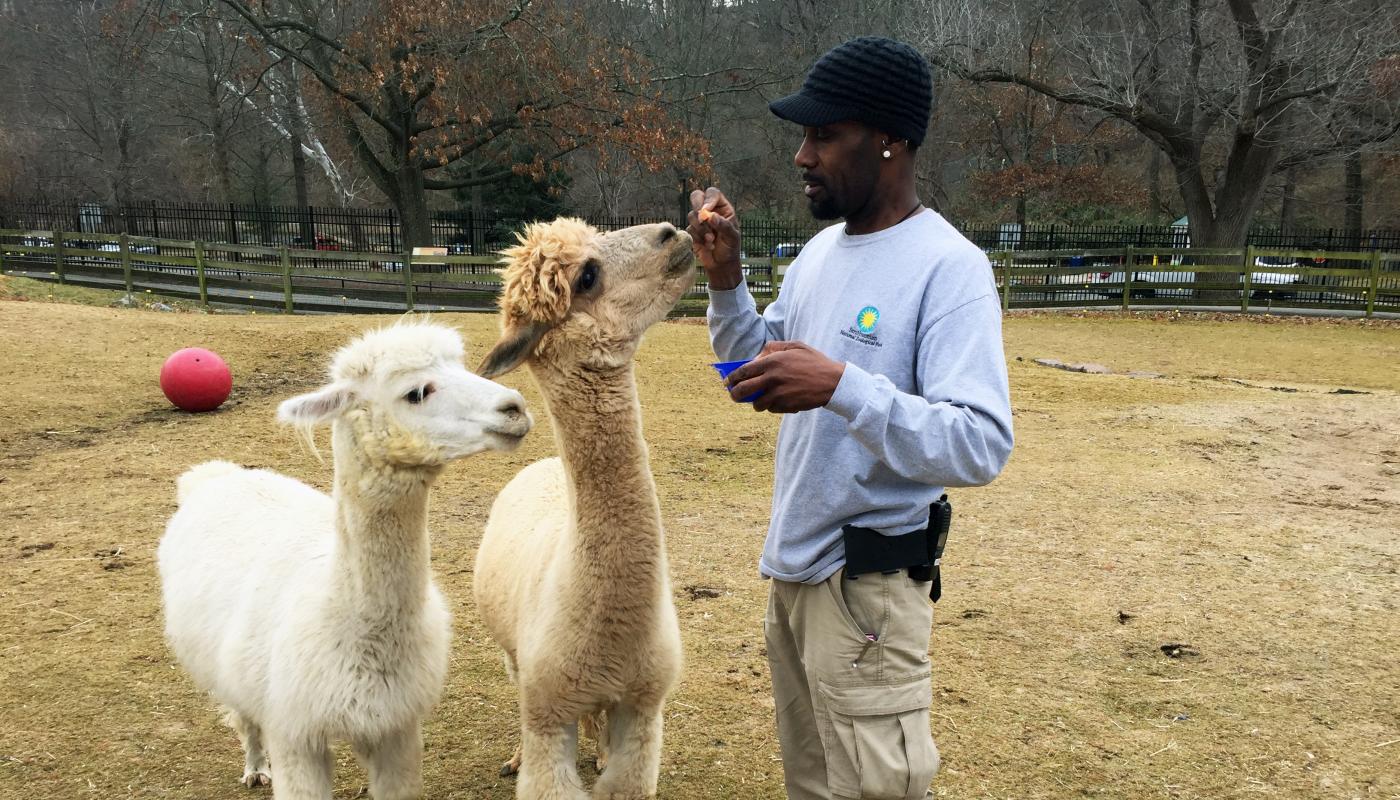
(314, 281)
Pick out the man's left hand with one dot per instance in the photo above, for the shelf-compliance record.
(792, 376)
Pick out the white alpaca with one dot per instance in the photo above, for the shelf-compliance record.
(315, 618)
(571, 578)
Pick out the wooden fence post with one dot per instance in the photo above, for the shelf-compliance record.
(1375, 286)
(1005, 280)
(199, 272)
(1248, 274)
(58, 254)
(124, 245)
(1127, 275)
(287, 280)
(408, 276)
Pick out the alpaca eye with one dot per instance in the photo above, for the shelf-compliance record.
(589, 277)
(419, 395)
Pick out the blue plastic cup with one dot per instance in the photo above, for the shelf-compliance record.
(726, 367)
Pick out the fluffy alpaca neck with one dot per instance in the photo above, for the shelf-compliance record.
(381, 558)
(598, 425)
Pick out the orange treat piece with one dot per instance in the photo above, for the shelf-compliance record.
(705, 214)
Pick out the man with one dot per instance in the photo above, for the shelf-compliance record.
(884, 350)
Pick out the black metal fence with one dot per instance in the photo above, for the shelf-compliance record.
(463, 232)
(1010, 236)
(1248, 278)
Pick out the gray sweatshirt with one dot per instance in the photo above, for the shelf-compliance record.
(923, 403)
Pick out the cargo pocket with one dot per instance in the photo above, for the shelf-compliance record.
(878, 743)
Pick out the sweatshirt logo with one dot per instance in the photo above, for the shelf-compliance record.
(864, 329)
(866, 319)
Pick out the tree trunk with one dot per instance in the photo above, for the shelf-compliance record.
(124, 168)
(1209, 228)
(297, 134)
(261, 186)
(218, 125)
(412, 202)
(1154, 187)
(1288, 208)
(1355, 201)
(478, 221)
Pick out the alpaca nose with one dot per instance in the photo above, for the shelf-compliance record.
(510, 408)
(517, 419)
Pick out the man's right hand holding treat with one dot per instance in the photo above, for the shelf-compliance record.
(714, 234)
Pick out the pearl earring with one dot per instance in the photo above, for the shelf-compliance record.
(886, 154)
(886, 145)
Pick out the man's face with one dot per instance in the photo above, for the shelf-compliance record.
(840, 166)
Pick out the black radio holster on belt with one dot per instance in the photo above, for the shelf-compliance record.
(920, 552)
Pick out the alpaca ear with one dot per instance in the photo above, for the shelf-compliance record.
(308, 410)
(538, 270)
(516, 345)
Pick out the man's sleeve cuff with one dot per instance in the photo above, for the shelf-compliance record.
(728, 302)
(852, 391)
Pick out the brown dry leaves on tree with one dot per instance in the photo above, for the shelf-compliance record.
(495, 79)
(1044, 152)
(432, 94)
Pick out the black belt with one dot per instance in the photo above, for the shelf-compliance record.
(920, 552)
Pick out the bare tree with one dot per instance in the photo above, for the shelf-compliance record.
(81, 88)
(1230, 91)
(711, 61)
(419, 85)
(197, 62)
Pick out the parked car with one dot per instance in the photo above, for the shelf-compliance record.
(1115, 279)
(86, 244)
(323, 242)
(113, 247)
(1268, 285)
(787, 250)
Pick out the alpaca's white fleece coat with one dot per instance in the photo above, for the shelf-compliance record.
(314, 618)
(252, 613)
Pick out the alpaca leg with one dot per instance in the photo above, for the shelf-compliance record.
(256, 769)
(303, 770)
(512, 766)
(548, 770)
(394, 764)
(634, 754)
(595, 725)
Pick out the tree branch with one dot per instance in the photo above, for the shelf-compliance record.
(1145, 119)
(321, 71)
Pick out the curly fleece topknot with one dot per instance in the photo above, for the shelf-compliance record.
(539, 269)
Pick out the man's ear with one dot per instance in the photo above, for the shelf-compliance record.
(517, 343)
(306, 411)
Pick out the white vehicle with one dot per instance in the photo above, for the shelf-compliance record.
(1265, 284)
(1262, 283)
(1137, 289)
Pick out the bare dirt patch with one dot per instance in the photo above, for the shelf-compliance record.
(1181, 587)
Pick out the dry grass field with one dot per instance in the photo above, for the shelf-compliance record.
(1183, 586)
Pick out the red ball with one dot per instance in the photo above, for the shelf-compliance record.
(195, 379)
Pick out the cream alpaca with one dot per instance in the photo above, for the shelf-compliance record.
(315, 618)
(571, 578)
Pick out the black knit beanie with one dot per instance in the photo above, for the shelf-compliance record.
(880, 82)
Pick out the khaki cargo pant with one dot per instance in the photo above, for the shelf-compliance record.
(853, 714)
